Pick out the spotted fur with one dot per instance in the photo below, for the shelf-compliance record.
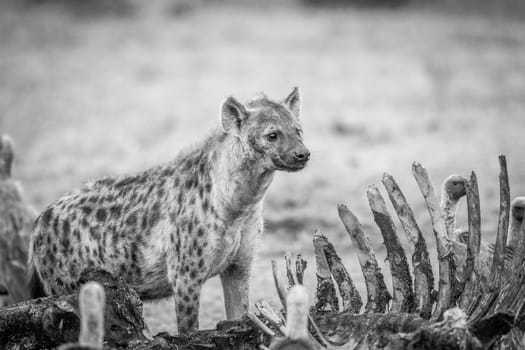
(168, 229)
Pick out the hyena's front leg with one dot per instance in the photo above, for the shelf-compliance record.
(235, 284)
(187, 307)
(186, 292)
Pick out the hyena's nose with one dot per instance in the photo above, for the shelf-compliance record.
(302, 155)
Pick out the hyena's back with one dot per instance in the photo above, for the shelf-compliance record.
(109, 224)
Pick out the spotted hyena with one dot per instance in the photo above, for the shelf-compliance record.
(168, 229)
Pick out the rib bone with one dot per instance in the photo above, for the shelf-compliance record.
(378, 295)
(443, 248)
(471, 293)
(403, 300)
(423, 277)
(350, 298)
(326, 296)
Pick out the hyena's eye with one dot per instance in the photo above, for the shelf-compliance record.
(272, 137)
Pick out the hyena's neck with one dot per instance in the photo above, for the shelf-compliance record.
(242, 180)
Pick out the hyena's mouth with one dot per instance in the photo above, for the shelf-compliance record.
(289, 166)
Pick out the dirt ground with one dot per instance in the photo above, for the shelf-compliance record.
(90, 95)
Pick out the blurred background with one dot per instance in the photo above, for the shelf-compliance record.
(90, 88)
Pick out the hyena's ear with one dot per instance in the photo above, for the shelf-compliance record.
(293, 102)
(233, 115)
(6, 156)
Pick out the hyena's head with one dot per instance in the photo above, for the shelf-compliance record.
(271, 130)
